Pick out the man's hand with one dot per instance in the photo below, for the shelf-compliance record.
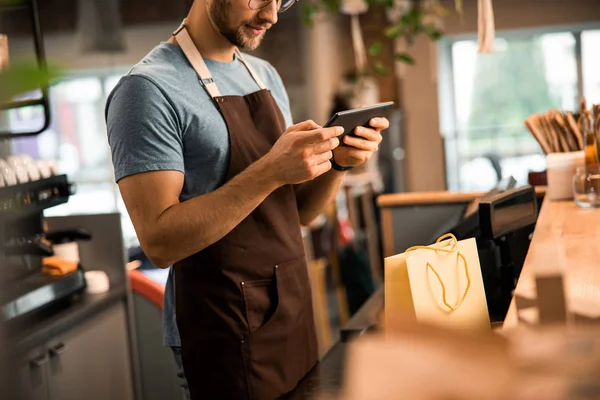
(302, 153)
(359, 150)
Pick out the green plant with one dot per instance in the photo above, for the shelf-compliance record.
(23, 75)
(407, 26)
(310, 8)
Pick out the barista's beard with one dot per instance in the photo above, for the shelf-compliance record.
(236, 36)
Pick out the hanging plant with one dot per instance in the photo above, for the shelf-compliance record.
(407, 24)
(313, 7)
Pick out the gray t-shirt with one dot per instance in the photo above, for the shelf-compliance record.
(159, 117)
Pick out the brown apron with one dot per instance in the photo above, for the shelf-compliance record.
(243, 304)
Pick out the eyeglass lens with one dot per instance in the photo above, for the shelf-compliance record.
(283, 5)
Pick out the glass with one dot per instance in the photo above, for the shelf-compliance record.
(590, 43)
(586, 187)
(283, 5)
(494, 94)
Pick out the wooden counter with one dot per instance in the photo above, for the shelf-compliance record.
(434, 197)
(566, 238)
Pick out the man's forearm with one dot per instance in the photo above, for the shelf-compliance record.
(314, 196)
(186, 228)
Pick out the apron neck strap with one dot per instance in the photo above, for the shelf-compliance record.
(255, 76)
(195, 58)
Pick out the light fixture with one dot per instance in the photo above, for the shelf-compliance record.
(100, 26)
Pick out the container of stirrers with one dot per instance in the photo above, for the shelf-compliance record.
(571, 144)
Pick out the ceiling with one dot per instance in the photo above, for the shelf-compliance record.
(63, 15)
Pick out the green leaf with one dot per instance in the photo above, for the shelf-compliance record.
(308, 12)
(380, 69)
(405, 58)
(394, 31)
(24, 77)
(330, 5)
(414, 18)
(433, 32)
(437, 35)
(375, 49)
(406, 18)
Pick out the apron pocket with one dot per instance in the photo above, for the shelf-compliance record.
(284, 349)
(260, 300)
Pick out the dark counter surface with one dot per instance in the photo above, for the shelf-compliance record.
(42, 326)
(365, 319)
(327, 377)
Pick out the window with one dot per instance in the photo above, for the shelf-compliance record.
(76, 140)
(590, 41)
(485, 99)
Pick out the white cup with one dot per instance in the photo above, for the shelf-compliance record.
(44, 168)
(560, 168)
(31, 166)
(16, 163)
(97, 282)
(8, 174)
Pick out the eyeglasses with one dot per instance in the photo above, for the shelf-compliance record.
(282, 5)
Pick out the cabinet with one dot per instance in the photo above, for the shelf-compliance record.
(33, 375)
(91, 361)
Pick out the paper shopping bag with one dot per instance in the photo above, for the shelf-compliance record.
(438, 285)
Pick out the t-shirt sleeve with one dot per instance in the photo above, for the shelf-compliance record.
(143, 129)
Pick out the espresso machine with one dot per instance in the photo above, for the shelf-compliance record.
(27, 187)
(25, 243)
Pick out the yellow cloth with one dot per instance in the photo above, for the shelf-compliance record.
(57, 266)
(439, 284)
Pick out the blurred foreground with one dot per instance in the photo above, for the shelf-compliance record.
(420, 362)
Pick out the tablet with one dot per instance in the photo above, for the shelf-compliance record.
(351, 119)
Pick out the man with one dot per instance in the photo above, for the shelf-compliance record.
(217, 186)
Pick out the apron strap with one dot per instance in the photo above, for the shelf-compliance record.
(193, 55)
(255, 76)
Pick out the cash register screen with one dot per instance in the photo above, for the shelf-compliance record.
(512, 212)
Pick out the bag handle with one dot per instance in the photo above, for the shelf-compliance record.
(453, 248)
